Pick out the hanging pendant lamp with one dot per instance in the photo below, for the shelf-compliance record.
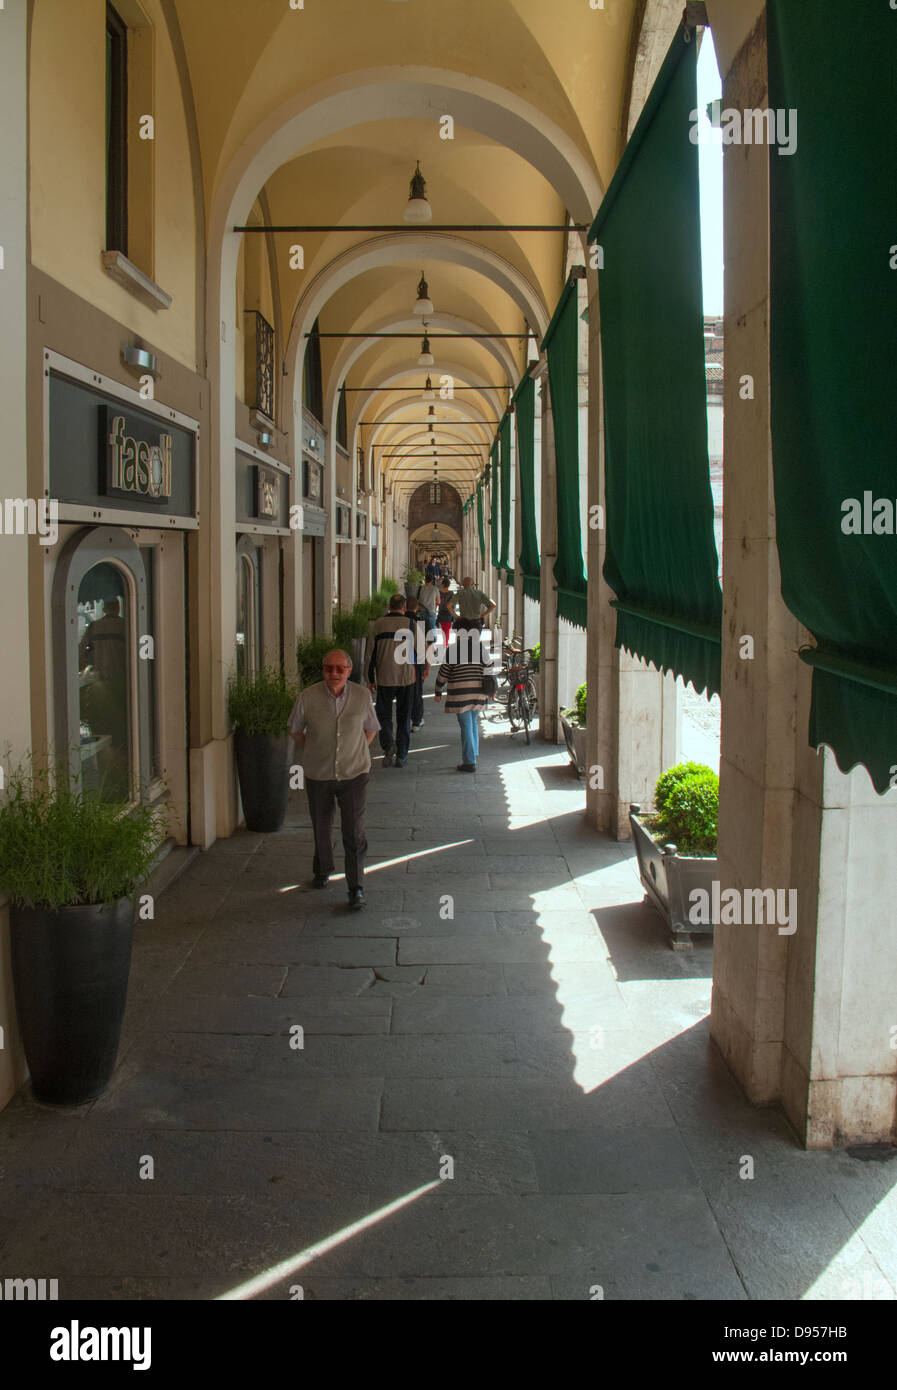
(426, 358)
(423, 304)
(418, 209)
(428, 394)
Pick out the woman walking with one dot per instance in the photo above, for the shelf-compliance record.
(445, 615)
(462, 682)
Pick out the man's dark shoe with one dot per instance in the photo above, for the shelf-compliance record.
(389, 757)
(400, 762)
(467, 767)
(356, 899)
(320, 881)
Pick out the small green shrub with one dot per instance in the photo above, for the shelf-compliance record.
(310, 653)
(537, 652)
(259, 702)
(576, 714)
(670, 779)
(414, 577)
(61, 847)
(348, 624)
(690, 812)
(388, 587)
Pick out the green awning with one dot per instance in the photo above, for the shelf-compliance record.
(524, 416)
(480, 527)
(561, 343)
(661, 559)
(504, 455)
(833, 289)
(493, 514)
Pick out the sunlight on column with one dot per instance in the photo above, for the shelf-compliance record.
(271, 1276)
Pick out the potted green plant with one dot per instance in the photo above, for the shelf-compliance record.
(413, 581)
(310, 653)
(676, 846)
(259, 705)
(70, 865)
(573, 722)
(388, 587)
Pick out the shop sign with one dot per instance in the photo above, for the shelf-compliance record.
(135, 466)
(267, 501)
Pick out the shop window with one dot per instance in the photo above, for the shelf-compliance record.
(248, 635)
(104, 682)
(312, 379)
(102, 702)
(155, 756)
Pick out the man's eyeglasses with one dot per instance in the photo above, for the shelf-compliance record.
(336, 669)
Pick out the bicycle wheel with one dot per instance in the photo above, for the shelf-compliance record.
(524, 711)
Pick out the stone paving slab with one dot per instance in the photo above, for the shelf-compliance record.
(504, 1072)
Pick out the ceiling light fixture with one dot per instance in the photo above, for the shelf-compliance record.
(418, 207)
(426, 358)
(428, 394)
(423, 304)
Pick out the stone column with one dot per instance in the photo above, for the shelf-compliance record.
(803, 1011)
(549, 724)
(18, 553)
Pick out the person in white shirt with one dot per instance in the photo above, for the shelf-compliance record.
(333, 722)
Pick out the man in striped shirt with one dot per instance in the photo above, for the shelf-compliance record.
(461, 678)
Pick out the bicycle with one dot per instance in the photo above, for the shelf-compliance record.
(520, 710)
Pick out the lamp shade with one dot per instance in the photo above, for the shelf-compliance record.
(424, 304)
(426, 358)
(418, 209)
(428, 394)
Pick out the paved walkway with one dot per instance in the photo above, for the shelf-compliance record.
(506, 1088)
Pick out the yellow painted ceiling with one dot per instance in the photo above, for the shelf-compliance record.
(565, 59)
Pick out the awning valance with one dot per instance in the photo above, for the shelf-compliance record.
(661, 559)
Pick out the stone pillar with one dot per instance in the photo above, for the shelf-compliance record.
(802, 1011)
(549, 724)
(17, 553)
(631, 734)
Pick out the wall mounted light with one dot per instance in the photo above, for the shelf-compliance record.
(138, 357)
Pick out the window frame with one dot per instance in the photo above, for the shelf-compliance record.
(116, 132)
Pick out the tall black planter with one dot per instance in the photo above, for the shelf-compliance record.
(70, 973)
(264, 779)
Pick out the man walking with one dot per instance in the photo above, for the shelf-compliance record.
(393, 679)
(428, 600)
(472, 604)
(333, 723)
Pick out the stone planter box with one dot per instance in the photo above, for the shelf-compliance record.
(668, 879)
(575, 739)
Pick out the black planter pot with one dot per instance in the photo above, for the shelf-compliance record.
(70, 973)
(264, 779)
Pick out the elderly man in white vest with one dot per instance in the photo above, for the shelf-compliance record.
(333, 723)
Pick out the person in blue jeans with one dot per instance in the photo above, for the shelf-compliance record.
(461, 679)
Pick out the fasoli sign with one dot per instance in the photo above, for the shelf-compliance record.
(135, 466)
